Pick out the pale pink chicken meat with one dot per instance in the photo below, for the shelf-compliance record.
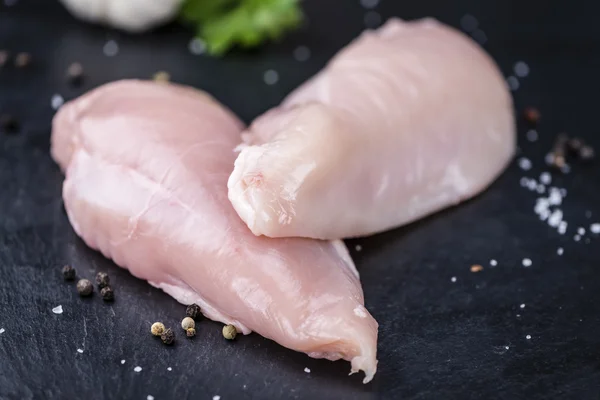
(146, 184)
(405, 121)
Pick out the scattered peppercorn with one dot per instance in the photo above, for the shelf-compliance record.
(190, 332)
(102, 279)
(559, 159)
(75, 73)
(68, 273)
(85, 287)
(22, 60)
(3, 57)
(107, 293)
(188, 323)
(532, 115)
(476, 268)
(167, 337)
(157, 328)
(161, 77)
(8, 123)
(193, 311)
(229, 332)
(575, 145)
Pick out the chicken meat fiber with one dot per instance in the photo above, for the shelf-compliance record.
(407, 120)
(146, 168)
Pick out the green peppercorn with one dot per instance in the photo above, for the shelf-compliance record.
(193, 311)
(68, 273)
(190, 332)
(229, 332)
(85, 287)
(157, 328)
(107, 293)
(102, 279)
(167, 337)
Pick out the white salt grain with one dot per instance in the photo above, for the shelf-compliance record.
(525, 164)
(196, 46)
(372, 19)
(307, 370)
(79, 351)
(122, 361)
(111, 48)
(555, 219)
(57, 101)
(581, 230)
(369, 3)
(358, 247)
(532, 184)
(137, 369)
(506, 347)
(493, 263)
(469, 23)
(453, 279)
(301, 53)
(577, 238)
(549, 159)
(528, 337)
(57, 310)
(149, 397)
(522, 306)
(560, 251)
(513, 83)
(540, 188)
(524, 181)
(555, 198)
(527, 262)
(521, 69)
(532, 135)
(169, 369)
(217, 397)
(2, 331)
(546, 178)
(271, 77)
(562, 227)
(595, 228)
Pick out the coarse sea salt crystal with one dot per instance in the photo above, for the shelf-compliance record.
(307, 370)
(79, 351)
(122, 361)
(532, 184)
(2, 330)
(493, 262)
(57, 101)
(527, 262)
(525, 163)
(544, 215)
(57, 310)
(541, 188)
(453, 279)
(546, 178)
(581, 230)
(169, 369)
(555, 198)
(595, 228)
(149, 397)
(562, 227)
(137, 369)
(560, 251)
(216, 397)
(532, 135)
(528, 337)
(555, 218)
(522, 306)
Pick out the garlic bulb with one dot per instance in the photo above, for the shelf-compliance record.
(128, 15)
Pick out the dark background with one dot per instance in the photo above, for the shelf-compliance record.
(438, 339)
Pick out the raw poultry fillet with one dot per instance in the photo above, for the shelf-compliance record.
(146, 184)
(405, 121)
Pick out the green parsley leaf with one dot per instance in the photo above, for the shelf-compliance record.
(223, 24)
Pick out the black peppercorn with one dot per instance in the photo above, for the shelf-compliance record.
(85, 287)
(8, 123)
(22, 60)
(68, 273)
(75, 73)
(193, 311)
(167, 337)
(107, 293)
(102, 279)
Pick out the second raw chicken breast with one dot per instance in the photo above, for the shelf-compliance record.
(405, 121)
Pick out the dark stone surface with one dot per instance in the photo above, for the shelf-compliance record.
(438, 339)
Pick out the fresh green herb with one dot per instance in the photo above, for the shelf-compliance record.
(223, 24)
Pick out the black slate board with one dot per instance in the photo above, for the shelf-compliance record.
(438, 339)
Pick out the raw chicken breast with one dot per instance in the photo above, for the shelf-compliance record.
(407, 120)
(146, 184)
